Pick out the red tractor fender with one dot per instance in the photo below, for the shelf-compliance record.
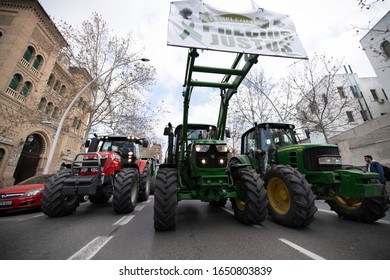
(141, 165)
(112, 164)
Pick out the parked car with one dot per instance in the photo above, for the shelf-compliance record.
(25, 195)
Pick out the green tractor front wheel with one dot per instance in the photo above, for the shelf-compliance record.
(251, 205)
(165, 199)
(290, 200)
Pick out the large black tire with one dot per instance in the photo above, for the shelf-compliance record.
(152, 184)
(144, 189)
(291, 201)
(364, 210)
(54, 203)
(251, 207)
(165, 199)
(125, 193)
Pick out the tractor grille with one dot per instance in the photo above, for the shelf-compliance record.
(310, 158)
(211, 159)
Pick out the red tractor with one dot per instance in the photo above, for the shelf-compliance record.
(112, 167)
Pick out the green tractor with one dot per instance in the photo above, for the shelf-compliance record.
(196, 165)
(296, 174)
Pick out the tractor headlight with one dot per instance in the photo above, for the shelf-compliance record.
(221, 161)
(222, 148)
(203, 161)
(202, 148)
(329, 160)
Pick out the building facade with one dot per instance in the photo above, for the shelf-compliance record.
(37, 85)
(376, 45)
(363, 99)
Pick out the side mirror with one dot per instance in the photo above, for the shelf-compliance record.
(227, 133)
(145, 142)
(168, 129)
(87, 143)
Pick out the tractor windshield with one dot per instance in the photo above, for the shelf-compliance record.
(276, 138)
(194, 134)
(121, 147)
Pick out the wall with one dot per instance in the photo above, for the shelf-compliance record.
(372, 137)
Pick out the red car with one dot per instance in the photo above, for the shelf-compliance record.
(25, 195)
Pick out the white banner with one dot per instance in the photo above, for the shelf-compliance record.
(196, 24)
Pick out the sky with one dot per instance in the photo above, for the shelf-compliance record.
(324, 27)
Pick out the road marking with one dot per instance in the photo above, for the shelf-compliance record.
(327, 211)
(227, 210)
(124, 220)
(384, 222)
(139, 207)
(20, 219)
(302, 250)
(89, 250)
(258, 226)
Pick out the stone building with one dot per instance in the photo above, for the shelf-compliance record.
(37, 85)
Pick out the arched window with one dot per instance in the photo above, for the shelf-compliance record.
(38, 62)
(50, 81)
(84, 105)
(15, 81)
(78, 124)
(26, 89)
(55, 113)
(42, 103)
(49, 108)
(28, 53)
(75, 122)
(63, 90)
(385, 46)
(56, 85)
(2, 153)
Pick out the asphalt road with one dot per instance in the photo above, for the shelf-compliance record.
(202, 233)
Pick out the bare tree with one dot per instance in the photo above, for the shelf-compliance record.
(94, 47)
(364, 4)
(253, 103)
(322, 105)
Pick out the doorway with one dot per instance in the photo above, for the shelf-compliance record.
(29, 158)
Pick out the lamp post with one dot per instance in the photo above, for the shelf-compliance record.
(61, 123)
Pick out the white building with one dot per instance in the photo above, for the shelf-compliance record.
(377, 48)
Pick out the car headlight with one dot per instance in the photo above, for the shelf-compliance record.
(222, 148)
(202, 148)
(32, 192)
(329, 160)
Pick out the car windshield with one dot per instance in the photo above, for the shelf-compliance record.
(35, 180)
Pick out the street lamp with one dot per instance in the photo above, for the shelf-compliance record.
(61, 123)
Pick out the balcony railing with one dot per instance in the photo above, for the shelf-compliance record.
(11, 92)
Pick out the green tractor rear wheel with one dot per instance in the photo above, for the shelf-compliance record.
(359, 209)
(290, 200)
(251, 206)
